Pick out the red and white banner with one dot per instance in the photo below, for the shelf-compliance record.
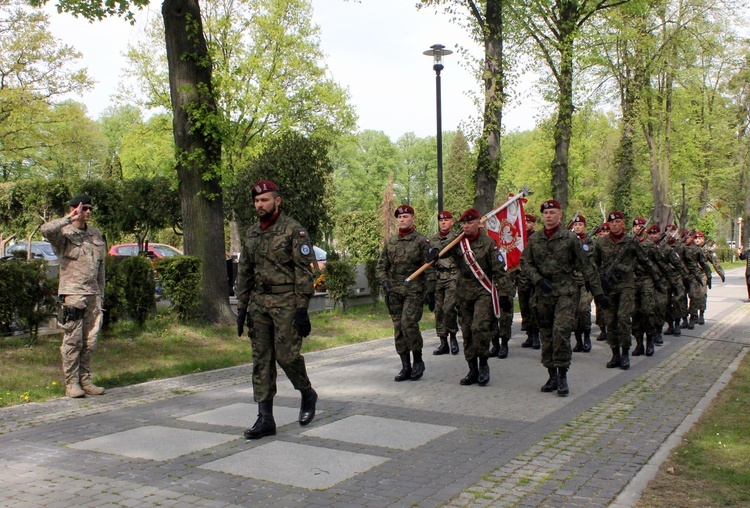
(508, 229)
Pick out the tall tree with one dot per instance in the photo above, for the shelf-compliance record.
(459, 175)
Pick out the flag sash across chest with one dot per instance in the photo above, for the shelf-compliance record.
(508, 229)
(482, 277)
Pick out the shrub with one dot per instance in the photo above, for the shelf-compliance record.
(27, 294)
(114, 292)
(371, 266)
(139, 289)
(339, 277)
(181, 278)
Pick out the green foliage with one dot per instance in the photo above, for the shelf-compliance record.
(26, 294)
(180, 277)
(138, 275)
(458, 176)
(358, 234)
(26, 204)
(371, 266)
(300, 167)
(339, 276)
(114, 292)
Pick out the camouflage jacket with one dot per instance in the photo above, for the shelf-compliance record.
(698, 257)
(690, 263)
(402, 256)
(490, 259)
(589, 243)
(275, 268)
(617, 261)
(556, 259)
(674, 260)
(446, 267)
(712, 258)
(665, 272)
(82, 253)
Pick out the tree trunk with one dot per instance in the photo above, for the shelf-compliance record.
(563, 125)
(198, 151)
(488, 157)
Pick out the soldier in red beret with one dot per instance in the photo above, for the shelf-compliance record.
(711, 259)
(695, 257)
(446, 318)
(582, 330)
(680, 307)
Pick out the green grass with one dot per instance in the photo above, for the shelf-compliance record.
(165, 348)
(711, 468)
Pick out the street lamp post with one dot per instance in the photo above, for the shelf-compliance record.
(437, 51)
(739, 233)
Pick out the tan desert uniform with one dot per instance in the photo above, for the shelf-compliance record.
(82, 253)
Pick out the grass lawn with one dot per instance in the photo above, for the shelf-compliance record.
(711, 468)
(164, 348)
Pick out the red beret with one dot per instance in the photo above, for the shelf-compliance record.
(530, 218)
(639, 221)
(403, 209)
(264, 186)
(549, 204)
(653, 229)
(698, 234)
(686, 234)
(579, 218)
(604, 226)
(615, 215)
(445, 215)
(469, 215)
(670, 227)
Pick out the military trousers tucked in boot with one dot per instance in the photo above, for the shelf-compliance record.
(454, 344)
(638, 351)
(307, 406)
(265, 424)
(579, 342)
(417, 368)
(405, 372)
(442, 349)
(616, 360)
(473, 376)
(552, 382)
(562, 382)
(483, 376)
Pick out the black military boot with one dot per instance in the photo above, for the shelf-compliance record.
(701, 318)
(405, 368)
(536, 343)
(417, 368)
(691, 322)
(551, 384)
(442, 349)
(616, 360)
(454, 344)
(473, 375)
(587, 341)
(677, 328)
(625, 359)
(307, 406)
(638, 351)
(562, 382)
(495, 349)
(602, 336)
(670, 328)
(579, 342)
(658, 339)
(503, 351)
(484, 372)
(529, 342)
(264, 425)
(684, 322)
(649, 344)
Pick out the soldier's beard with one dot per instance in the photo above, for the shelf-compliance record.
(262, 214)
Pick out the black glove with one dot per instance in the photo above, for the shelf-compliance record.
(544, 285)
(602, 301)
(658, 286)
(686, 283)
(387, 286)
(505, 304)
(302, 322)
(708, 281)
(429, 300)
(241, 317)
(587, 286)
(723, 279)
(606, 286)
(432, 255)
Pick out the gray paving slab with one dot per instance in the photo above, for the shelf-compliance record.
(506, 444)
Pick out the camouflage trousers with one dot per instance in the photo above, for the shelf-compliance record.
(275, 340)
(661, 304)
(528, 320)
(644, 312)
(80, 337)
(583, 314)
(406, 312)
(505, 321)
(618, 318)
(703, 293)
(677, 302)
(446, 316)
(478, 325)
(696, 291)
(556, 315)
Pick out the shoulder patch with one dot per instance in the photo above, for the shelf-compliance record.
(302, 234)
(427, 240)
(585, 247)
(305, 250)
(501, 258)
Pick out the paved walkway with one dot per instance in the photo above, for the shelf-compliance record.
(177, 442)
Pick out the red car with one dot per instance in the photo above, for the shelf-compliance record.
(155, 250)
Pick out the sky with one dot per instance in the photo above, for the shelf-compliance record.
(373, 48)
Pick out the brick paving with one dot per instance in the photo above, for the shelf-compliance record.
(504, 445)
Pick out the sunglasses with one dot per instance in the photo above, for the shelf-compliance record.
(87, 208)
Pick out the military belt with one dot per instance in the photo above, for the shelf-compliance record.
(273, 289)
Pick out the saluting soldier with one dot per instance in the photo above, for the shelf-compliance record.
(446, 317)
(274, 288)
(401, 256)
(482, 291)
(712, 259)
(616, 257)
(583, 314)
(525, 292)
(82, 251)
(549, 260)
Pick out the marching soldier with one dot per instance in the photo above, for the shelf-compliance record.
(601, 232)
(82, 251)
(671, 278)
(403, 254)
(274, 288)
(712, 258)
(446, 318)
(548, 261)
(695, 256)
(690, 278)
(525, 292)
(583, 314)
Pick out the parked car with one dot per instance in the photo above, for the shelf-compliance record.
(39, 250)
(155, 250)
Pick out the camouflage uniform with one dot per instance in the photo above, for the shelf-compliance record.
(651, 298)
(528, 314)
(274, 279)
(693, 279)
(401, 256)
(556, 259)
(694, 255)
(82, 253)
(583, 311)
(678, 279)
(711, 260)
(746, 257)
(446, 317)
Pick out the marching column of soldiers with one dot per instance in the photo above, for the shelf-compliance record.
(638, 283)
